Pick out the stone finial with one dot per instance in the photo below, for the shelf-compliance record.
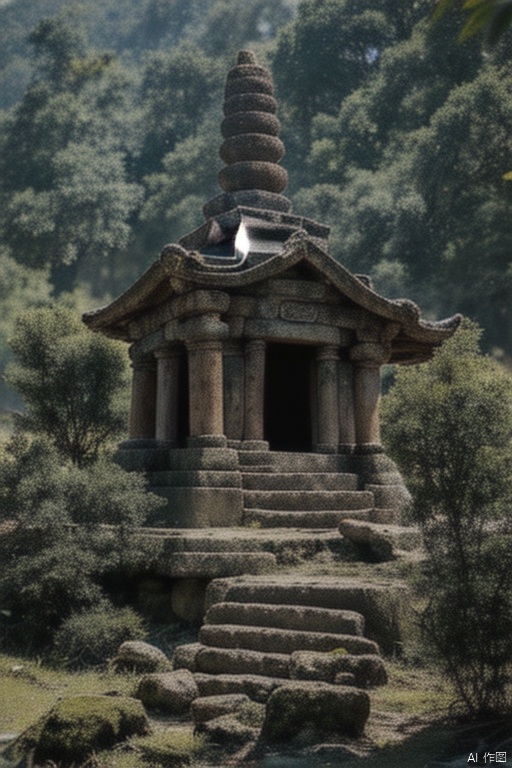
(251, 148)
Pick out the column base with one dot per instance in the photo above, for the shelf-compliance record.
(254, 445)
(207, 441)
(326, 448)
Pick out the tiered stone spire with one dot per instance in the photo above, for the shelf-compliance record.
(251, 150)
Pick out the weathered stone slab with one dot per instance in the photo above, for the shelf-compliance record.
(201, 507)
(308, 500)
(202, 478)
(382, 542)
(272, 640)
(240, 661)
(210, 565)
(168, 692)
(184, 656)
(299, 481)
(315, 518)
(207, 707)
(312, 711)
(256, 687)
(291, 617)
(368, 670)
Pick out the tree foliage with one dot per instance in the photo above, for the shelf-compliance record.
(56, 553)
(448, 424)
(71, 380)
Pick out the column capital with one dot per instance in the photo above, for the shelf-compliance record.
(255, 345)
(141, 360)
(328, 352)
(165, 353)
(200, 345)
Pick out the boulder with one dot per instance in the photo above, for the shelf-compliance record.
(77, 727)
(137, 656)
(367, 669)
(308, 712)
(169, 692)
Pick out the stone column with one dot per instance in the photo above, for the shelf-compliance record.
(233, 391)
(327, 399)
(254, 389)
(167, 394)
(205, 387)
(367, 358)
(346, 403)
(143, 405)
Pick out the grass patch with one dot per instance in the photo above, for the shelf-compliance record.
(32, 689)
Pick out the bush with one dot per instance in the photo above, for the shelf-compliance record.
(449, 426)
(93, 636)
(55, 561)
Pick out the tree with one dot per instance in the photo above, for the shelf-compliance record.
(72, 382)
(493, 16)
(448, 424)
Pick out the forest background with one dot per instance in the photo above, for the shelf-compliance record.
(397, 136)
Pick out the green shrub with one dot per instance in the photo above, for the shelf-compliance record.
(93, 636)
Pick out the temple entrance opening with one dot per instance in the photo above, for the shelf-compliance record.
(287, 410)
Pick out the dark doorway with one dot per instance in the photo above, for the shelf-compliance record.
(287, 416)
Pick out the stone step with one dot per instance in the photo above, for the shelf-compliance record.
(299, 481)
(294, 617)
(242, 661)
(316, 518)
(209, 478)
(211, 565)
(308, 500)
(287, 544)
(257, 687)
(272, 640)
(385, 604)
(281, 461)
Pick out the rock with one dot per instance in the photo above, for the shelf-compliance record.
(209, 707)
(169, 692)
(308, 712)
(227, 732)
(137, 656)
(380, 542)
(368, 669)
(78, 726)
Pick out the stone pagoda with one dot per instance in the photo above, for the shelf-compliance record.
(257, 356)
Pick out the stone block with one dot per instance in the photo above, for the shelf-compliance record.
(169, 692)
(195, 479)
(368, 670)
(201, 507)
(274, 640)
(308, 500)
(256, 687)
(138, 656)
(207, 707)
(292, 617)
(380, 542)
(240, 661)
(184, 656)
(292, 331)
(187, 459)
(211, 565)
(314, 518)
(310, 712)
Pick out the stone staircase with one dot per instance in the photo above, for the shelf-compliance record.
(260, 632)
(300, 490)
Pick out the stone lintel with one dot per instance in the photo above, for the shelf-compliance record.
(301, 333)
(200, 302)
(369, 353)
(207, 327)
